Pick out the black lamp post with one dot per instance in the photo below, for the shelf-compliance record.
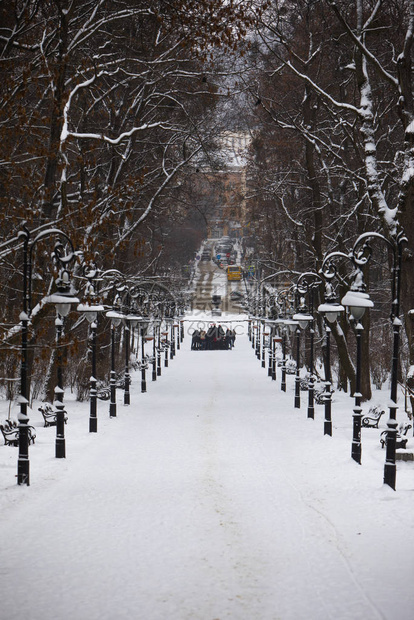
(271, 350)
(127, 376)
(116, 318)
(291, 328)
(166, 347)
(285, 325)
(265, 337)
(361, 255)
(297, 377)
(357, 301)
(330, 310)
(159, 347)
(62, 300)
(258, 338)
(306, 284)
(177, 328)
(283, 332)
(90, 310)
(172, 339)
(154, 349)
(130, 320)
(60, 444)
(29, 244)
(144, 327)
(301, 319)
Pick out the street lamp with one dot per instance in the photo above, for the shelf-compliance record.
(116, 318)
(25, 237)
(293, 328)
(357, 301)
(177, 327)
(283, 335)
(300, 324)
(258, 338)
(62, 300)
(330, 310)
(265, 336)
(159, 347)
(172, 339)
(130, 320)
(361, 255)
(90, 311)
(254, 332)
(306, 283)
(165, 345)
(144, 322)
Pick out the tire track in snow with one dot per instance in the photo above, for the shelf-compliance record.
(311, 506)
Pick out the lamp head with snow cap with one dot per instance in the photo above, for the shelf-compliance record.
(357, 302)
(330, 309)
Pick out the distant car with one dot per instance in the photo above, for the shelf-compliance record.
(236, 295)
(224, 249)
(216, 312)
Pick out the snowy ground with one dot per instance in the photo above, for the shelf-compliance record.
(208, 498)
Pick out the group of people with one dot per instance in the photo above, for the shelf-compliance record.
(214, 338)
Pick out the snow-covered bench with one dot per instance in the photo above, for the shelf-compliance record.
(104, 391)
(49, 414)
(400, 440)
(371, 420)
(10, 432)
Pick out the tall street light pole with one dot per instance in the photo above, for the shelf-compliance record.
(62, 299)
(306, 284)
(330, 311)
(357, 301)
(362, 252)
(90, 310)
(29, 243)
(116, 318)
(144, 326)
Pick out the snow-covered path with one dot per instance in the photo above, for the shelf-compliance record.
(208, 498)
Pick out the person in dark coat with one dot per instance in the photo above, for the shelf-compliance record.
(220, 337)
(195, 340)
(211, 337)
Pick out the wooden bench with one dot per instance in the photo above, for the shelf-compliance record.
(104, 391)
(400, 440)
(373, 417)
(10, 432)
(321, 395)
(290, 368)
(49, 414)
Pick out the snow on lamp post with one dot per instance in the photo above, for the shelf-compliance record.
(357, 302)
(90, 309)
(63, 300)
(116, 318)
(131, 321)
(63, 259)
(330, 311)
(303, 319)
(362, 252)
(155, 342)
(306, 284)
(144, 323)
(292, 327)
